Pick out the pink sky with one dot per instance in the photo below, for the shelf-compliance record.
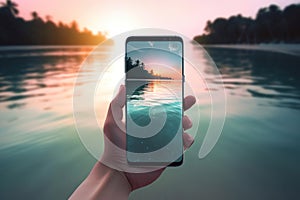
(187, 17)
(165, 71)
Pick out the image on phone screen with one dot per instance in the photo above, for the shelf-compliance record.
(154, 98)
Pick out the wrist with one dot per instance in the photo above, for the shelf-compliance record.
(103, 183)
(124, 177)
(115, 181)
(118, 175)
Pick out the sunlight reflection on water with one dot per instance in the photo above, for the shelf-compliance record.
(259, 145)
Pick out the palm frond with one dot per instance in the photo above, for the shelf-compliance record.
(16, 11)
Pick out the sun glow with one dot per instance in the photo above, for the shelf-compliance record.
(115, 23)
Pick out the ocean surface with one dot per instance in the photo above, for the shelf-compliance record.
(156, 107)
(256, 157)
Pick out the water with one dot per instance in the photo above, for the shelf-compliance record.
(156, 106)
(257, 156)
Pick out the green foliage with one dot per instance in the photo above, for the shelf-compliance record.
(136, 69)
(17, 31)
(270, 25)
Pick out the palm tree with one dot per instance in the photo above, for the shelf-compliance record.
(35, 15)
(137, 63)
(11, 6)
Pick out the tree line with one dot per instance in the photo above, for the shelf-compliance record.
(271, 25)
(139, 71)
(15, 30)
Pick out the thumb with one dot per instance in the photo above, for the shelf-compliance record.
(115, 112)
(188, 140)
(119, 99)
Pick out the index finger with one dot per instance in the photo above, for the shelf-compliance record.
(188, 102)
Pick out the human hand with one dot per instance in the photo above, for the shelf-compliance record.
(114, 155)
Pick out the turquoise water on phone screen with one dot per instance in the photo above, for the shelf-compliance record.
(256, 157)
(155, 106)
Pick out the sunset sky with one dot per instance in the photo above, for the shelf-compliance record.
(158, 56)
(185, 16)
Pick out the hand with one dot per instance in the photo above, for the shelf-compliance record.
(114, 155)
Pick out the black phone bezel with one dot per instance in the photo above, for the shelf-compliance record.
(147, 39)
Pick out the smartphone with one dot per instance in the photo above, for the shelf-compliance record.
(154, 100)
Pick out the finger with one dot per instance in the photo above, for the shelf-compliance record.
(188, 102)
(117, 104)
(119, 99)
(188, 140)
(114, 128)
(186, 123)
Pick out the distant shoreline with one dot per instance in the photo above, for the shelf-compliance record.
(42, 47)
(145, 80)
(291, 49)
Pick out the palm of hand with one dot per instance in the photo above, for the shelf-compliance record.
(115, 136)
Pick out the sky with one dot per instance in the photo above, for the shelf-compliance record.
(159, 56)
(187, 17)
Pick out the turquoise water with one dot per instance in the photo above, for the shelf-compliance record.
(156, 106)
(257, 156)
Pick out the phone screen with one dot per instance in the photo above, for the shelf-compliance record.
(154, 96)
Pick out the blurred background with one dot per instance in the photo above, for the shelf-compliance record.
(255, 45)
